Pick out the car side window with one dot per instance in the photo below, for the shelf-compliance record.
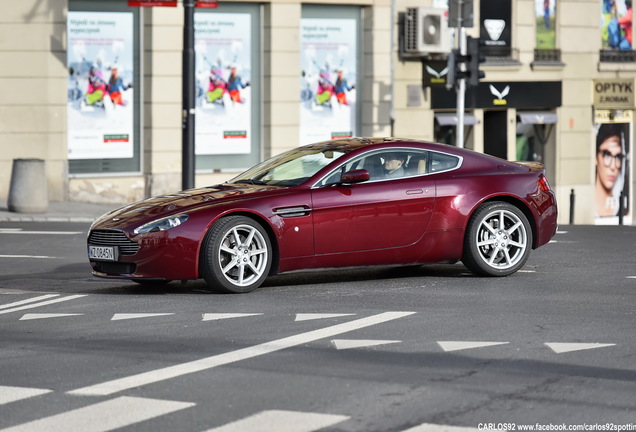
(385, 165)
(443, 162)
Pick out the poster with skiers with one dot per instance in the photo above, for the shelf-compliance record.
(100, 85)
(223, 73)
(616, 25)
(328, 75)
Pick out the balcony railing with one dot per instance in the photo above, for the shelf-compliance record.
(617, 56)
(547, 55)
(501, 56)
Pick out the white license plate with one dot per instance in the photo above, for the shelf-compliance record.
(102, 253)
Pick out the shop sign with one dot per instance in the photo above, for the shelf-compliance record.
(212, 4)
(434, 73)
(613, 116)
(502, 95)
(495, 27)
(613, 93)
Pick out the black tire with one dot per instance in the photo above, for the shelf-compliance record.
(498, 240)
(236, 255)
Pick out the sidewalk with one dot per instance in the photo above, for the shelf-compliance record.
(59, 212)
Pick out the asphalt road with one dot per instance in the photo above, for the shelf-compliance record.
(413, 349)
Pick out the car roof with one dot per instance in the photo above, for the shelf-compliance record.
(365, 143)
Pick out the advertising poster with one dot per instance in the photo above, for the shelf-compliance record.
(223, 73)
(100, 85)
(616, 29)
(545, 12)
(612, 181)
(328, 74)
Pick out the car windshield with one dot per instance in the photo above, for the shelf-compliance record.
(290, 168)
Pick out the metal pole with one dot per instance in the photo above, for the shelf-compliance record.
(461, 90)
(572, 198)
(188, 97)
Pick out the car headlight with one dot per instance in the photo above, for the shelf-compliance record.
(162, 224)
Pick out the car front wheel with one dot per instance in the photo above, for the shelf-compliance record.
(498, 240)
(236, 255)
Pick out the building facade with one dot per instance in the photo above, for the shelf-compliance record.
(94, 88)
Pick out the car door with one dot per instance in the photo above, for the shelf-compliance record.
(381, 213)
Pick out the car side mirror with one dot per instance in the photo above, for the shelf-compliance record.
(355, 176)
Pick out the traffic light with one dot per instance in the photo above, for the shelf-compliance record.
(451, 75)
(474, 59)
(469, 63)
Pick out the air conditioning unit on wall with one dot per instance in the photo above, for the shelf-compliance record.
(426, 31)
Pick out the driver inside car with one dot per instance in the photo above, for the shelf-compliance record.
(394, 165)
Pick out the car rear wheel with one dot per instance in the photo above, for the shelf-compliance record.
(498, 240)
(236, 255)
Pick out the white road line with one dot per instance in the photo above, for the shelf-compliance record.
(157, 375)
(28, 256)
(37, 316)
(104, 416)
(14, 231)
(31, 300)
(44, 303)
(315, 316)
(462, 345)
(282, 421)
(343, 344)
(127, 316)
(222, 316)
(561, 348)
(430, 427)
(13, 394)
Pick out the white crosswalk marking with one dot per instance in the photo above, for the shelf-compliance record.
(170, 372)
(282, 421)
(44, 303)
(13, 394)
(27, 301)
(103, 416)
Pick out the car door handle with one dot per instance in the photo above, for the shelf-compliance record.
(415, 191)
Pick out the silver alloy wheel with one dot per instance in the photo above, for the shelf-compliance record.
(243, 255)
(502, 239)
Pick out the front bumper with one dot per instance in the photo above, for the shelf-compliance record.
(151, 256)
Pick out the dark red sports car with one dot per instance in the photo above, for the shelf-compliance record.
(347, 202)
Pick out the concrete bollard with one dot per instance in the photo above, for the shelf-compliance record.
(28, 192)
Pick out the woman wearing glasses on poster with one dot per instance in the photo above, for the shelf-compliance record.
(611, 169)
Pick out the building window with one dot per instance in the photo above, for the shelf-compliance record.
(546, 46)
(616, 32)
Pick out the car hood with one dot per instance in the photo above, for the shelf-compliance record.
(180, 202)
